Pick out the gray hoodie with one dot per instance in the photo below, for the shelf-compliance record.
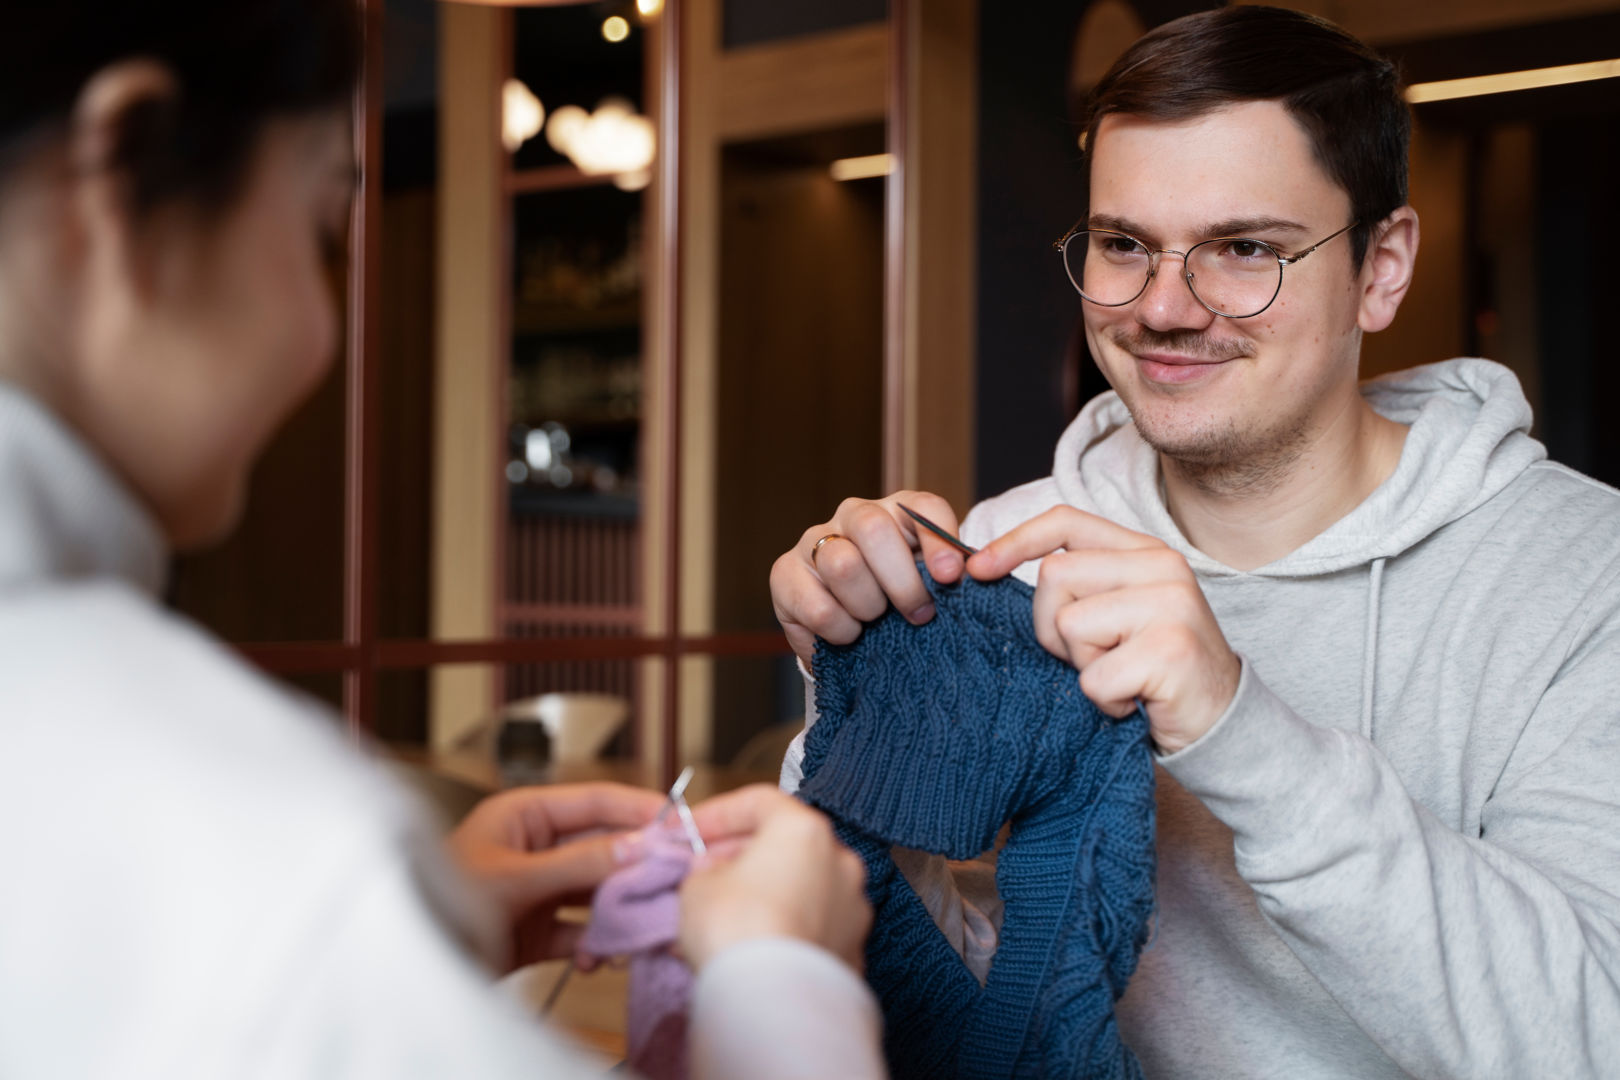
(1398, 851)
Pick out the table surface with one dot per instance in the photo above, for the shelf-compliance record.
(481, 772)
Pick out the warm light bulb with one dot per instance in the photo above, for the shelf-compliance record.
(649, 8)
(613, 140)
(633, 181)
(522, 115)
(566, 125)
(615, 28)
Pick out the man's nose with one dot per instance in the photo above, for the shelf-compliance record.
(1168, 302)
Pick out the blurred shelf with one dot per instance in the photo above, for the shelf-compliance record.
(533, 502)
(589, 423)
(552, 178)
(547, 319)
(620, 616)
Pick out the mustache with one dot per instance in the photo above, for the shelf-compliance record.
(1183, 342)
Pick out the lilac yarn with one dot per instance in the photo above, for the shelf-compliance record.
(637, 913)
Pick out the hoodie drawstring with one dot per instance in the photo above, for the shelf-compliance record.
(1369, 658)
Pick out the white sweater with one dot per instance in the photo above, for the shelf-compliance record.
(199, 878)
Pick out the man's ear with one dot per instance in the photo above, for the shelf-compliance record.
(111, 127)
(1387, 271)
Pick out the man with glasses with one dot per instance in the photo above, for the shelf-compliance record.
(1376, 633)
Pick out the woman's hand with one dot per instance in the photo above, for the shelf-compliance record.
(775, 869)
(536, 848)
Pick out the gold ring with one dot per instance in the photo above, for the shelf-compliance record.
(817, 549)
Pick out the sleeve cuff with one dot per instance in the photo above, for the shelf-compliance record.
(792, 777)
(1259, 758)
(776, 1008)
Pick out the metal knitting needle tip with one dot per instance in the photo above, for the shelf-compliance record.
(677, 792)
(692, 834)
(939, 532)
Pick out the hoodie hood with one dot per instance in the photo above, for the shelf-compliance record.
(1469, 438)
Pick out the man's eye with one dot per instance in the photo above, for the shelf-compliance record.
(1246, 249)
(1121, 245)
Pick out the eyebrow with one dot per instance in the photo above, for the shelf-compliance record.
(1244, 226)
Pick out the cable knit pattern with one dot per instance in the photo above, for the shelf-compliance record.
(932, 737)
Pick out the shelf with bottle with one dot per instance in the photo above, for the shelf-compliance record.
(578, 265)
(575, 428)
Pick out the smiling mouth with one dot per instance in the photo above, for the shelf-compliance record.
(1176, 360)
(1177, 368)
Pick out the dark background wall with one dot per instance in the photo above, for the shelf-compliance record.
(1032, 374)
(750, 22)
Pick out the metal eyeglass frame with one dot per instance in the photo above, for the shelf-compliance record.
(1153, 264)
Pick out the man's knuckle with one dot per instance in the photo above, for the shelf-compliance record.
(823, 612)
(839, 561)
(868, 521)
(1071, 621)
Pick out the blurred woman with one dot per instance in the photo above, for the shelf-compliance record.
(197, 876)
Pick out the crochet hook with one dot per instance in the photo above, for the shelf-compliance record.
(939, 532)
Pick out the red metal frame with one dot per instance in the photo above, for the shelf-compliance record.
(360, 435)
(669, 197)
(362, 655)
(290, 658)
(550, 178)
(894, 252)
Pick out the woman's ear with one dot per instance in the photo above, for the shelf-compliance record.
(110, 129)
(1387, 271)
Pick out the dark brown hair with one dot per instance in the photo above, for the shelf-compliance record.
(238, 63)
(1346, 97)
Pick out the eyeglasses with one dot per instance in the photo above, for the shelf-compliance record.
(1235, 277)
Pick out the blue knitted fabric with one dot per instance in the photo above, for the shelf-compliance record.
(933, 736)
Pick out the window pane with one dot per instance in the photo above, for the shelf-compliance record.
(738, 715)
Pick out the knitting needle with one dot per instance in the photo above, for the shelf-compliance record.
(939, 532)
(677, 794)
(677, 802)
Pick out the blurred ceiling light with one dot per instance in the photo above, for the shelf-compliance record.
(649, 8)
(859, 168)
(614, 139)
(1512, 80)
(633, 181)
(522, 115)
(615, 28)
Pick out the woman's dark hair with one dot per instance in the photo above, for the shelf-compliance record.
(238, 63)
(1346, 97)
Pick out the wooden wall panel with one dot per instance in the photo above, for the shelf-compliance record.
(471, 357)
(804, 84)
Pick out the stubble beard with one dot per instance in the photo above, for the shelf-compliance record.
(1218, 457)
(1223, 460)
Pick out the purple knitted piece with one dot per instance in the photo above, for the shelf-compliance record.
(637, 913)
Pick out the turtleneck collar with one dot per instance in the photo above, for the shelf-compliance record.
(63, 513)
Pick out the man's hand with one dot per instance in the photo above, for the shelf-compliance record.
(537, 848)
(870, 563)
(1127, 611)
(775, 869)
